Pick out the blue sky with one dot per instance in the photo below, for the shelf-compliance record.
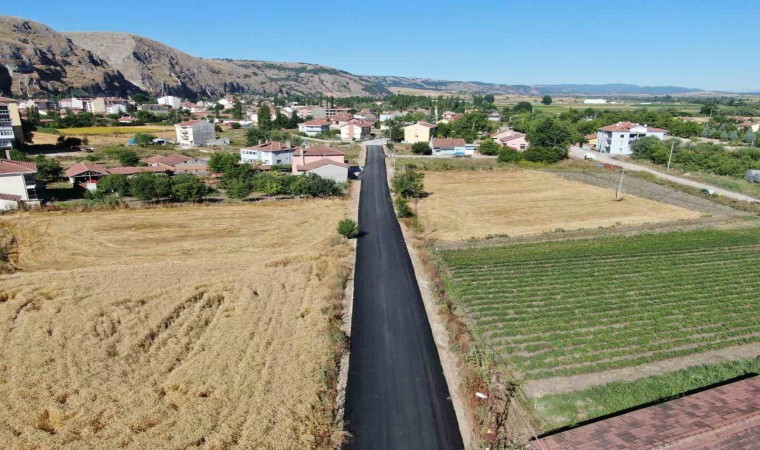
(701, 43)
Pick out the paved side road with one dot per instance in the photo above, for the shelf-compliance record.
(577, 152)
(396, 397)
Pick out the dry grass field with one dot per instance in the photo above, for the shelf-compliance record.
(476, 204)
(182, 327)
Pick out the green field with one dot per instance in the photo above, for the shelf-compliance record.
(574, 307)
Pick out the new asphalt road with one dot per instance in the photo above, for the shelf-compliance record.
(396, 396)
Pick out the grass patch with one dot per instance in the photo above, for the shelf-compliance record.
(95, 131)
(575, 307)
(560, 410)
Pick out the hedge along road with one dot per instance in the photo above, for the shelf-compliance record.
(396, 397)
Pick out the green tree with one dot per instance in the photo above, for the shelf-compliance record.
(255, 136)
(114, 184)
(547, 100)
(143, 138)
(127, 157)
(48, 169)
(143, 187)
(394, 132)
(33, 115)
(265, 118)
(408, 183)
(522, 107)
(237, 110)
(222, 162)
(421, 148)
(188, 188)
(239, 189)
(750, 137)
(489, 147)
(551, 133)
(544, 154)
(508, 155)
(734, 136)
(489, 98)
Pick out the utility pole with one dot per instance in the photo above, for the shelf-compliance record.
(619, 193)
(672, 146)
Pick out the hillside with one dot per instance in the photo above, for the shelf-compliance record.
(37, 59)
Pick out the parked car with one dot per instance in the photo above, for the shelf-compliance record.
(590, 156)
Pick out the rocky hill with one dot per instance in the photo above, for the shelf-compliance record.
(35, 58)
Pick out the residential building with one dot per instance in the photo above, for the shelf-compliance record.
(448, 147)
(11, 134)
(317, 112)
(391, 115)
(515, 141)
(87, 175)
(268, 154)
(195, 133)
(366, 114)
(494, 117)
(170, 101)
(326, 162)
(314, 127)
(42, 105)
(18, 183)
(355, 130)
(330, 112)
(76, 103)
(591, 141)
(449, 116)
(174, 161)
(616, 139)
(108, 105)
(419, 132)
(339, 120)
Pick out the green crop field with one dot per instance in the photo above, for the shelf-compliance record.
(574, 307)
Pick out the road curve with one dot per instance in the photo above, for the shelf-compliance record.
(396, 397)
(577, 152)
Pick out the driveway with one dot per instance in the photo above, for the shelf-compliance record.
(396, 397)
(578, 153)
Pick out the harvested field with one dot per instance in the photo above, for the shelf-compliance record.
(173, 328)
(576, 307)
(476, 204)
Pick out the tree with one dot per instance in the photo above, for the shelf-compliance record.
(708, 109)
(48, 169)
(235, 125)
(508, 155)
(223, 162)
(237, 110)
(114, 184)
(239, 189)
(33, 115)
(522, 107)
(265, 118)
(550, 133)
(734, 136)
(294, 121)
(143, 138)
(188, 188)
(489, 147)
(143, 187)
(544, 154)
(408, 183)
(547, 100)
(750, 137)
(68, 142)
(394, 132)
(255, 136)
(141, 98)
(421, 148)
(217, 108)
(489, 98)
(127, 157)
(27, 130)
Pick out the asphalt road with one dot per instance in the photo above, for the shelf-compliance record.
(396, 397)
(577, 152)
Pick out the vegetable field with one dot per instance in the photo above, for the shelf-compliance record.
(574, 307)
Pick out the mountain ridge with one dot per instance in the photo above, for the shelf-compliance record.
(38, 60)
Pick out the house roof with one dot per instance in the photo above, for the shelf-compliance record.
(592, 136)
(80, 168)
(424, 124)
(8, 100)
(342, 117)
(316, 123)
(626, 126)
(512, 137)
(8, 166)
(189, 123)
(320, 163)
(358, 123)
(169, 160)
(724, 417)
(446, 143)
(191, 168)
(319, 151)
(11, 197)
(270, 147)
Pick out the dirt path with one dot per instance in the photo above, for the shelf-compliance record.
(558, 385)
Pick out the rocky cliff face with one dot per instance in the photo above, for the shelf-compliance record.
(36, 58)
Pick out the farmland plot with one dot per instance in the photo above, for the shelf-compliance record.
(576, 307)
(172, 328)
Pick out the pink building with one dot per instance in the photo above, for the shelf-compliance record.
(516, 141)
(326, 162)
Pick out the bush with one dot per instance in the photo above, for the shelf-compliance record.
(544, 154)
(143, 138)
(188, 188)
(48, 169)
(127, 157)
(402, 207)
(235, 126)
(149, 186)
(239, 189)
(114, 184)
(489, 147)
(223, 162)
(348, 228)
(408, 183)
(421, 148)
(508, 155)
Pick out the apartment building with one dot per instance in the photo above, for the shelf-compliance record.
(11, 134)
(616, 139)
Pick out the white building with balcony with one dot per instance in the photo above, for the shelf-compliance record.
(10, 123)
(18, 184)
(195, 133)
(269, 154)
(616, 139)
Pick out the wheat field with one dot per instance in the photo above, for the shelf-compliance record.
(475, 204)
(187, 327)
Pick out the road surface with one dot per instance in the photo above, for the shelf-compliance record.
(396, 397)
(577, 152)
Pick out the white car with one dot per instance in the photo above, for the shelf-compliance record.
(589, 156)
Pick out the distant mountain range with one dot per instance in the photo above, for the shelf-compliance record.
(36, 59)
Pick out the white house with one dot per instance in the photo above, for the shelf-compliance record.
(314, 127)
(355, 130)
(391, 115)
(594, 101)
(18, 184)
(616, 139)
(449, 147)
(269, 154)
(195, 133)
(494, 117)
(170, 100)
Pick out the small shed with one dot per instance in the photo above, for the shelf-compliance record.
(753, 176)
